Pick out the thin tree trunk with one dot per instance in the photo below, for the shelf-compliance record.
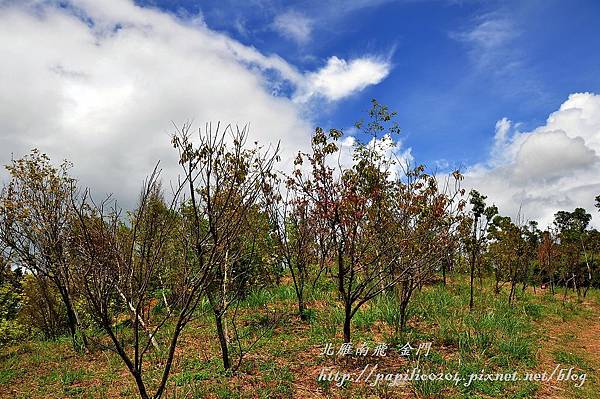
(480, 272)
(141, 386)
(589, 284)
(302, 309)
(221, 321)
(512, 292)
(473, 255)
(72, 318)
(497, 288)
(299, 282)
(347, 319)
(221, 316)
(444, 272)
(403, 308)
(402, 318)
(551, 272)
(471, 301)
(589, 270)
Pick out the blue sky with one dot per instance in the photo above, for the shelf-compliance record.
(448, 85)
(507, 91)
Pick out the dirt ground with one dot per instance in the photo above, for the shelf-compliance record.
(580, 337)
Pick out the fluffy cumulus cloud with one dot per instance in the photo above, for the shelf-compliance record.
(555, 166)
(294, 26)
(100, 82)
(340, 78)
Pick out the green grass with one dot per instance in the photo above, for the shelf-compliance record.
(568, 358)
(495, 337)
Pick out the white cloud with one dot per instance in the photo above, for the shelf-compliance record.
(554, 167)
(100, 82)
(294, 26)
(489, 32)
(551, 154)
(502, 129)
(339, 78)
(489, 42)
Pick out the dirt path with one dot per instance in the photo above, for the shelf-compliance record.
(572, 343)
